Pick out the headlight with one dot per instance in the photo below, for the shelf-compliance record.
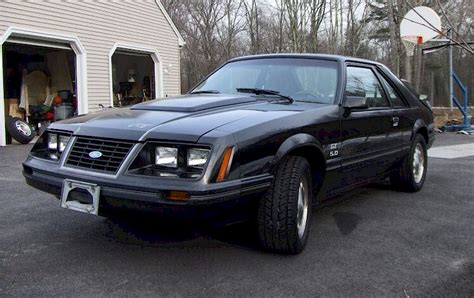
(63, 141)
(166, 157)
(52, 141)
(197, 157)
(51, 145)
(171, 160)
(57, 142)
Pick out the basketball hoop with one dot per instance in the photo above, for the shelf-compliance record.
(419, 25)
(410, 42)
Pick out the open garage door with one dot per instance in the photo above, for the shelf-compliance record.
(43, 79)
(39, 83)
(133, 77)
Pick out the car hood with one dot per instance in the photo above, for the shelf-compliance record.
(184, 118)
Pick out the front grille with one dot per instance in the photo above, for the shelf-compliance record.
(113, 154)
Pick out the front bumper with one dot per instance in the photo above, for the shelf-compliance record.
(148, 194)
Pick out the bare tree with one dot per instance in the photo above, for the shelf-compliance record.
(317, 12)
(252, 14)
(355, 26)
(394, 40)
(233, 25)
(216, 30)
(303, 19)
(297, 21)
(333, 29)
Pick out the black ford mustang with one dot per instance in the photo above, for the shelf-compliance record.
(273, 134)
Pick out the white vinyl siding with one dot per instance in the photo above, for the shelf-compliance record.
(99, 25)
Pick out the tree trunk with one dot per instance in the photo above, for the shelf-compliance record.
(418, 69)
(408, 68)
(394, 57)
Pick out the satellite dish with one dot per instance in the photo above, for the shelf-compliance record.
(419, 25)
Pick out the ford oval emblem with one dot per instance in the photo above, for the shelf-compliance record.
(95, 154)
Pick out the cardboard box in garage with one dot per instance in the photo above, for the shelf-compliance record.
(12, 109)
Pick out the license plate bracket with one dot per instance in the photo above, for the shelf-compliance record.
(68, 202)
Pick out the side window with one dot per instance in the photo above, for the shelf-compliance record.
(392, 94)
(363, 82)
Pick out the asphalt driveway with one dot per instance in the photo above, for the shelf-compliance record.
(374, 241)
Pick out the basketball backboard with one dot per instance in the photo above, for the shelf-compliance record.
(419, 25)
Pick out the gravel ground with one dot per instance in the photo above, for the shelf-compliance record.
(373, 242)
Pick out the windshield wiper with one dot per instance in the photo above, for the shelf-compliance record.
(205, 92)
(258, 91)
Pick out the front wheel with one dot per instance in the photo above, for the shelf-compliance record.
(412, 172)
(284, 213)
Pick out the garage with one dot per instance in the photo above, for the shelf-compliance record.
(39, 86)
(133, 77)
(110, 54)
(43, 80)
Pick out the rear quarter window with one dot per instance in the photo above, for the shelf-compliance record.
(394, 97)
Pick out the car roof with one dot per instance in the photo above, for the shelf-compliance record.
(338, 58)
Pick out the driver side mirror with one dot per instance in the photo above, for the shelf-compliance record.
(356, 103)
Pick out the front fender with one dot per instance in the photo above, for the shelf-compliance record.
(295, 142)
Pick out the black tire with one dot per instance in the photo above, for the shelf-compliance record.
(405, 179)
(19, 130)
(277, 215)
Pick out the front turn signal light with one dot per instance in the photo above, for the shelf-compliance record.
(225, 165)
(178, 196)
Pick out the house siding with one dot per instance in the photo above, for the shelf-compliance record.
(99, 25)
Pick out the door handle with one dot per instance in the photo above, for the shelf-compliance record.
(395, 121)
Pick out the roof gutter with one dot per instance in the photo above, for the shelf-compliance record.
(181, 41)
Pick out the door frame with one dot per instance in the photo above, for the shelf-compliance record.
(155, 56)
(47, 38)
(366, 112)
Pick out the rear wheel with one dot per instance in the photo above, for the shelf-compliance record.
(412, 172)
(284, 213)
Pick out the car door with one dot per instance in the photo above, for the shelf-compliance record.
(402, 112)
(370, 137)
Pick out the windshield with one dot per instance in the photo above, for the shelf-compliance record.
(308, 80)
